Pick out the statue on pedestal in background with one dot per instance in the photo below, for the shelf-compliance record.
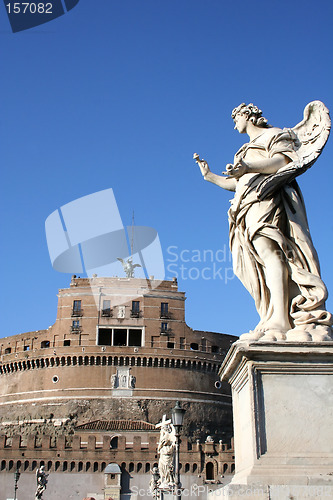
(166, 450)
(41, 478)
(273, 254)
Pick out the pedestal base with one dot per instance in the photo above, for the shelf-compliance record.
(283, 419)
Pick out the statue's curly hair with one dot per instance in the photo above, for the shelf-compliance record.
(253, 113)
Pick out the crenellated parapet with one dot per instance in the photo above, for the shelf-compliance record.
(92, 454)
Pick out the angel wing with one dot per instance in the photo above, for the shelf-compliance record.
(136, 265)
(312, 134)
(121, 260)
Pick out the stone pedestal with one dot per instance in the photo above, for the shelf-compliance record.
(283, 419)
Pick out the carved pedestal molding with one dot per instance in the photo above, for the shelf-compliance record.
(283, 416)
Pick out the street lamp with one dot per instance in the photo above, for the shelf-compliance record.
(177, 418)
(16, 478)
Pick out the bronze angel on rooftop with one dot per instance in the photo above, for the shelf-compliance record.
(273, 254)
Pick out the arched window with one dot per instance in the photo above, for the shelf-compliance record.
(69, 361)
(209, 471)
(87, 466)
(95, 466)
(72, 466)
(147, 467)
(127, 361)
(74, 360)
(80, 467)
(161, 362)
(33, 465)
(194, 468)
(114, 442)
(98, 360)
(131, 467)
(232, 469)
(187, 467)
(103, 465)
(138, 362)
(104, 361)
(150, 362)
(56, 466)
(3, 464)
(225, 468)
(80, 360)
(64, 466)
(49, 465)
(26, 465)
(92, 360)
(86, 360)
(139, 467)
(115, 361)
(110, 360)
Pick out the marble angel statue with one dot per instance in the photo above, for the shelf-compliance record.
(273, 254)
(166, 451)
(128, 266)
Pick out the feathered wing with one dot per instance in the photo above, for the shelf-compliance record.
(121, 260)
(312, 134)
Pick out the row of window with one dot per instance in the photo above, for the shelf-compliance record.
(81, 466)
(132, 337)
(107, 310)
(107, 361)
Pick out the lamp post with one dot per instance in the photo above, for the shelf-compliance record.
(177, 418)
(16, 479)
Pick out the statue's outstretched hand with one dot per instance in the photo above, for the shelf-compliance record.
(202, 164)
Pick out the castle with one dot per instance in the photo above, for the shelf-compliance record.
(88, 391)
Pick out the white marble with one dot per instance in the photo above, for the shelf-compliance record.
(273, 254)
(283, 415)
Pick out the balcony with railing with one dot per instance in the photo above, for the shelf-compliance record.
(77, 312)
(107, 313)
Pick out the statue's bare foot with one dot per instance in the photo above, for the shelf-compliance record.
(252, 335)
(273, 335)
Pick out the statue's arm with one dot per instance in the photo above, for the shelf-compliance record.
(224, 182)
(268, 165)
(264, 166)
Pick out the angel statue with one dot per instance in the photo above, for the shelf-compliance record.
(128, 266)
(41, 478)
(166, 450)
(273, 254)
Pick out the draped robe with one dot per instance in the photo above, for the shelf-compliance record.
(280, 217)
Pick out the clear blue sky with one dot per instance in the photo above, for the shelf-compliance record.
(121, 94)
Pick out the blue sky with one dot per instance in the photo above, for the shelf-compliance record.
(121, 94)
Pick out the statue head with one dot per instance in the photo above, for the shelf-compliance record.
(252, 113)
